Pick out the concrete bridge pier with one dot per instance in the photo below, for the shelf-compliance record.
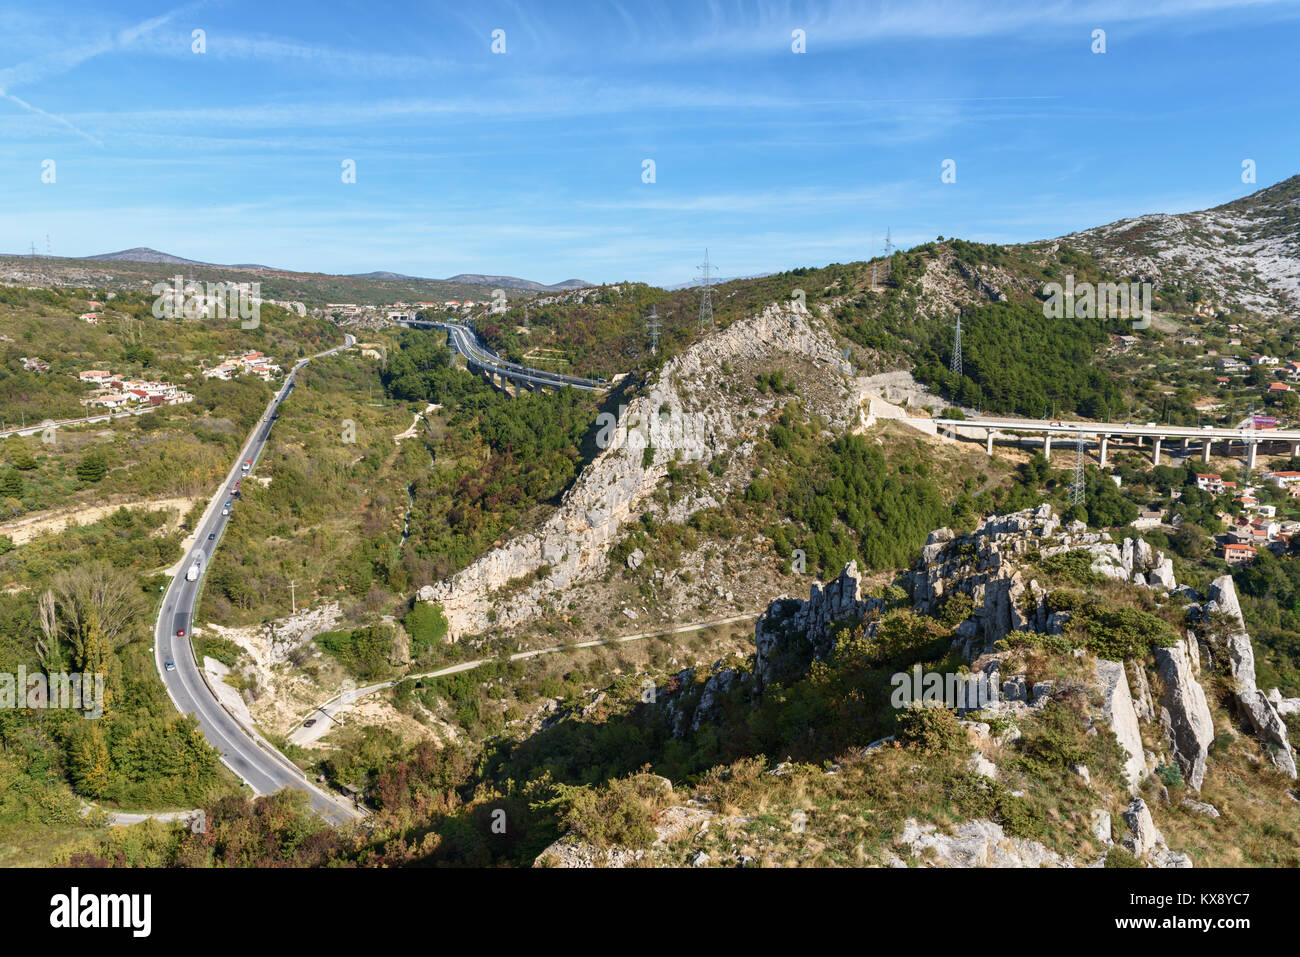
(988, 443)
(1205, 450)
(1047, 445)
(1295, 450)
(1251, 447)
(1155, 451)
(1104, 440)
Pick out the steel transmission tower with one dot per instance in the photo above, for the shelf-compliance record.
(1250, 444)
(889, 254)
(955, 365)
(652, 326)
(1077, 486)
(706, 299)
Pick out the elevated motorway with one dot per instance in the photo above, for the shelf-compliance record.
(482, 359)
(1104, 432)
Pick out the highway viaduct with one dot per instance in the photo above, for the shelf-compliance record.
(500, 372)
(1102, 433)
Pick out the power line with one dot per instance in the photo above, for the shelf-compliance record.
(955, 364)
(706, 299)
(1077, 487)
(653, 325)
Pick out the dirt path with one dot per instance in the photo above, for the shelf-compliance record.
(327, 713)
(57, 520)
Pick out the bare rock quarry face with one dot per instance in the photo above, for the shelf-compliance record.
(1253, 704)
(1184, 712)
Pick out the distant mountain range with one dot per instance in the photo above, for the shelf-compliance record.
(143, 254)
(713, 281)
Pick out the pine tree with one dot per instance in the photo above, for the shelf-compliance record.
(89, 762)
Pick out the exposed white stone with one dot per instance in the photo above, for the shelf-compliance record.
(1253, 704)
(1117, 707)
(1184, 712)
(975, 844)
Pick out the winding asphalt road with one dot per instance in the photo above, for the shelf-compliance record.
(242, 749)
(462, 339)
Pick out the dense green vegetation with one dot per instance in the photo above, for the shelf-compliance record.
(497, 458)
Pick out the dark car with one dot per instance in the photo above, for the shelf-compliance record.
(212, 536)
(309, 722)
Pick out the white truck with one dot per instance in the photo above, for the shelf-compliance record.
(192, 573)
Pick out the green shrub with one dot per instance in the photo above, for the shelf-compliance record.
(930, 730)
(427, 627)
(1170, 775)
(1119, 857)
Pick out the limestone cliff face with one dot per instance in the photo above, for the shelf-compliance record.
(684, 409)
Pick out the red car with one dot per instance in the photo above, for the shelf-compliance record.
(180, 632)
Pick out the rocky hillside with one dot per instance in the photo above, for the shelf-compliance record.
(1246, 252)
(1121, 724)
(676, 418)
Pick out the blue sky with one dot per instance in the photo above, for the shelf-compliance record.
(529, 163)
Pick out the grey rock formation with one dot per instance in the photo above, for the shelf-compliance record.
(1142, 834)
(984, 565)
(1209, 810)
(1101, 826)
(1254, 706)
(811, 620)
(1117, 707)
(1140, 689)
(1184, 712)
(975, 844)
(719, 683)
(1145, 840)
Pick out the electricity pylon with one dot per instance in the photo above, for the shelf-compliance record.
(706, 298)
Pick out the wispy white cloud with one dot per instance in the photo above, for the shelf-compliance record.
(50, 116)
(68, 56)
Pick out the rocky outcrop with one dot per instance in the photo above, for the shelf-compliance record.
(1117, 707)
(676, 413)
(975, 844)
(1134, 561)
(1284, 706)
(1184, 712)
(720, 682)
(1255, 707)
(1141, 690)
(1145, 841)
(982, 566)
(986, 566)
(810, 622)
